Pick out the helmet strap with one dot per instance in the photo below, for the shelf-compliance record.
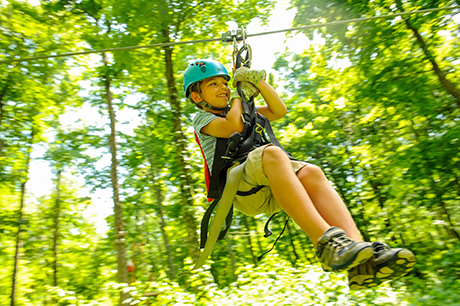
(207, 105)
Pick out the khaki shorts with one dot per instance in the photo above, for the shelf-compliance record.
(263, 200)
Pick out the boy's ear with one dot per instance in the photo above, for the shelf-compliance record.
(195, 97)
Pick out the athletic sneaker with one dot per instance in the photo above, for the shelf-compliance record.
(386, 264)
(337, 252)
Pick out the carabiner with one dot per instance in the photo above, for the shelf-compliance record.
(238, 60)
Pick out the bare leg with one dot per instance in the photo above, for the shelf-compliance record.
(291, 194)
(326, 200)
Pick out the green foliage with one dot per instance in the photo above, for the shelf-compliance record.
(368, 102)
(438, 279)
(274, 281)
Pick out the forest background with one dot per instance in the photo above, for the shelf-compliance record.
(375, 103)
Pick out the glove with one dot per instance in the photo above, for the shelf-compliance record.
(244, 74)
(249, 90)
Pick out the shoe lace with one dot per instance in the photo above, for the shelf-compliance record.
(341, 241)
(379, 247)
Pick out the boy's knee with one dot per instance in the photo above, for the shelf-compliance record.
(311, 173)
(274, 154)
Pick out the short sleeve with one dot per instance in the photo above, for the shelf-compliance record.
(201, 120)
(207, 142)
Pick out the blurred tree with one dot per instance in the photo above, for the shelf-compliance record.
(170, 21)
(97, 32)
(81, 261)
(64, 151)
(146, 156)
(374, 103)
(21, 220)
(29, 96)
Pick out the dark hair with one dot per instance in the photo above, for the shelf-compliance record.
(195, 87)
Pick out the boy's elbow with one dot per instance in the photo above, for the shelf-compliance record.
(281, 113)
(284, 112)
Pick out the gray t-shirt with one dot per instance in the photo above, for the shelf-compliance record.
(208, 143)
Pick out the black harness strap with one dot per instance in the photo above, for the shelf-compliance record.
(217, 182)
(279, 236)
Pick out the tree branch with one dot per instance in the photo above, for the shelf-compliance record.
(448, 85)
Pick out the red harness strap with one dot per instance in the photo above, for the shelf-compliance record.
(207, 175)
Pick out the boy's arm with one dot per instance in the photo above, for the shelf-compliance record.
(225, 127)
(275, 108)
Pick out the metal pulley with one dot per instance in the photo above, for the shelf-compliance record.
(241, 56)
(232, 35)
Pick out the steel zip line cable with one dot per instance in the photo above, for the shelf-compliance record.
(333, 23)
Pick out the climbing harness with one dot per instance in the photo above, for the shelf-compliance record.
(229, 159)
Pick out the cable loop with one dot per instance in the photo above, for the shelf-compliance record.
(237, 54)
(176, 43)
(235, 44)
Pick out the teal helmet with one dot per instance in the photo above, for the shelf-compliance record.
(202, 69)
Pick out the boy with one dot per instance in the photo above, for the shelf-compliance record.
(301, 189)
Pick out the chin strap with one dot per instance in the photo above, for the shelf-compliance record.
(206, 104)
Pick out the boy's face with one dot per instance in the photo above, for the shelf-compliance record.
(214, 91)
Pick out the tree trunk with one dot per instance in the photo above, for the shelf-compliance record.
(381, 199)
(232, 256)
(446, 84)
(154, 173)
(258, 237)
(159, 199)
(443, 212)
(294, 251)
(57, 212)
(155, 252)
(120, 234)
(186, 188)
(246, 226)
(2, 115)
(17, 254)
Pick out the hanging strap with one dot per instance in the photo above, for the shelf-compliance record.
(205, 223)
(279, 236)
(225, 205)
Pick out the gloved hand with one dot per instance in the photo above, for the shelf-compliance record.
(249, 75)
(249, 90)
